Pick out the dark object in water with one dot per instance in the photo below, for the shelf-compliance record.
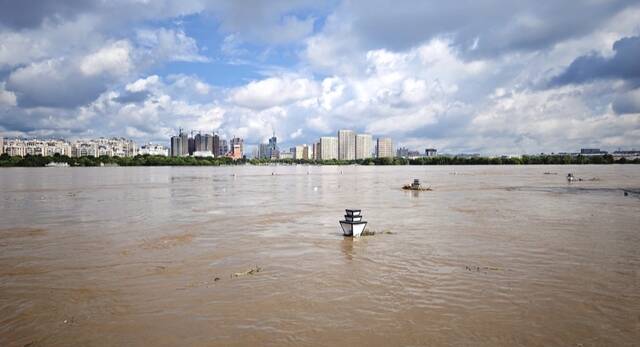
(415, 186)
(626, 193)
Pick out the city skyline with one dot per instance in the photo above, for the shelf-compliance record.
(515, 79)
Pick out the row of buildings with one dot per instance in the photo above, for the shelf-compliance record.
(205, 145)
(111, 147)
(346, 146)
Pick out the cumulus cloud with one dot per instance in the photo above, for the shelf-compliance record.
(624, 64)
(274, 91)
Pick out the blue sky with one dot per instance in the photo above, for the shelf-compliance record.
(466, 76)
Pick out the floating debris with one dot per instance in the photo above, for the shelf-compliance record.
(369, 232)
(570, 177)
(478, 268)
(251, 271)
(550, 173)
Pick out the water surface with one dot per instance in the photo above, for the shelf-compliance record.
(494, 255)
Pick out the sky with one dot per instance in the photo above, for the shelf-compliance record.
(491, 77)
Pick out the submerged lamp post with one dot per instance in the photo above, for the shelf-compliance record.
(353, 225)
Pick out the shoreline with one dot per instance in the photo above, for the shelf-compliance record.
(147, 160)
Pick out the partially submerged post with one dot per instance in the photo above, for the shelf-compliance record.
(353, 225)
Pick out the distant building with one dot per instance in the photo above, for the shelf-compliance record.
(328, 148)
(628, 155)
(224, 147)
(263, 151)
(430, 152)
(298, 152)
(199, 143)
(202, 154)
(286, 155)
(111, 147)
(316, 151)
(236, 148)
(346, 145)
(153, 149)
(215, 147)
(184, 144)
(592, 151)
(364, 146)
(402, 152)
(384, 148)
(307, 152)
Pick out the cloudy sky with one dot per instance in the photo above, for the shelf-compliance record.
(462, 76)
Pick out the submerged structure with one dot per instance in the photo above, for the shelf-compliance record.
(415, 186)
(353, 225)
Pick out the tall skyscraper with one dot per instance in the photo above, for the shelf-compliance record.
(384, 148)
(176, 150)
(184, 144)
(328, 148)
(273, 148)
(199, 143)
(316, 151)
(208, 143)
(346, 145)
(216, 146)
(364, 146)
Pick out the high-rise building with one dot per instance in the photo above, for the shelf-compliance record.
(263, 151)
(236, 148)
(1, 145)
(224, 147)
(298, 152)
(328, 148)
(316, 151)
(307, 152)
(364, 144)
(346, 145)
(273, 147)
(184, 144)
(384, 148)
(208, 143)
(198, 143)
(176, 146)
(216, 146)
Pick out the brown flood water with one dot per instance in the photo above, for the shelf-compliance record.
(492, 256)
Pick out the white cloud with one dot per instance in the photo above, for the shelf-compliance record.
(114, 59)
(169, 45)
(7, 98)
(274, 91)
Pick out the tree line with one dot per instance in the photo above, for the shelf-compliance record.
(154, 160)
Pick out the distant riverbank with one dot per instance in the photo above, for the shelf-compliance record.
(149, 160)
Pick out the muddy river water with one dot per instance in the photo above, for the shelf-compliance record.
(493, 255)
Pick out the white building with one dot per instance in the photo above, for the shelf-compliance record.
(328, 148)
(364, 146)
(384, 148)
(154, 149)
(346, 145)
(20, 147)
(111, 147)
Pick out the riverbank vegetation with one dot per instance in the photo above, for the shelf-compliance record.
(150, 160)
